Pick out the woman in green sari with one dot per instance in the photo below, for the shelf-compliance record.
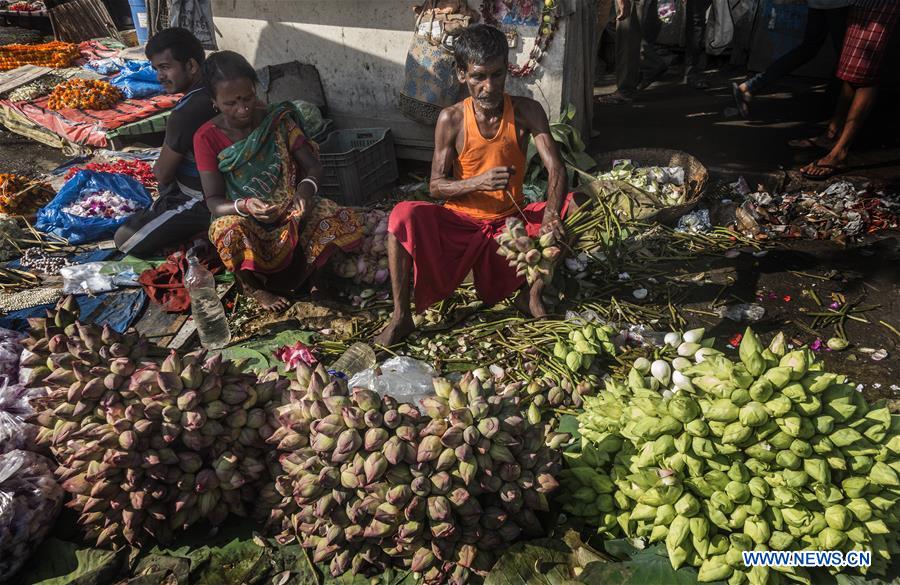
(260, 177)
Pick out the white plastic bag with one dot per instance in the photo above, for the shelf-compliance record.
(30, 499)
(83, 279)
(404, 378)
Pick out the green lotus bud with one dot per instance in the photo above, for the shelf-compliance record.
(831, 539)
(884, 475)
(697, 428)
(791, 424)
(798, 362)
(757, 529)
(700, 535)
(714, 569)
(859, 508)
(679, 531)
(761, 390)
(737, 492)
(787, 460)
(817, 469)
(678, 555)
(665, 514)
(795, 479)
(736, 433)
(687, 505)
(753, 414)
(758, 487)
(780, 540)
(722, 410)
(683, 408)
(779, 377)
(640, 511)
(749, 345)
(838, 517)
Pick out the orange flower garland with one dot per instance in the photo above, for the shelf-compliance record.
(54, 54)
(21, 196)
(84, 94)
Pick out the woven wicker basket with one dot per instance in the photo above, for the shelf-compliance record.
(695, 175)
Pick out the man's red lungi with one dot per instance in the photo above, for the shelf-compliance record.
(445, 245)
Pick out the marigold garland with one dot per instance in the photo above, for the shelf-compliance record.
(549, 23)
(84, 94)
(54, 54)
(21, 196)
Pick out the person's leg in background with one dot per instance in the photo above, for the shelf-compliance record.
(652, 65)
(628, 53)
(604, 12)
(813, 38)
(695, 40)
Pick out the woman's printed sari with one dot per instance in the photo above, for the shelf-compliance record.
(262, 166)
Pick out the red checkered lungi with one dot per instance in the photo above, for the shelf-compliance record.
(866, 42)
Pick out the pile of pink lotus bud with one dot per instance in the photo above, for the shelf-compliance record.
(532, 258)
(543, 394)
(147, 445)
(369, 264)
(369, 483)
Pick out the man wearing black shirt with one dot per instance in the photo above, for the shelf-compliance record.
(180, 212)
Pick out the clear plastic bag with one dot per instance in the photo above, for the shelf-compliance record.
(30, 499)
(404, 378)
(15, 408)
(10, 350)
(86, 279)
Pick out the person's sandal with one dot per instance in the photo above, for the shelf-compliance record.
(830, 171)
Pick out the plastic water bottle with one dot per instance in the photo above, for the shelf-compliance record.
(357, 358)
(206, 308)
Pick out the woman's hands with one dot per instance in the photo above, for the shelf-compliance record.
(260, 210)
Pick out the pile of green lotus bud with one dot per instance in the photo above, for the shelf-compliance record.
(714, 457)
(369, 483)
(147, 446)
(583, 344)
(532, 258)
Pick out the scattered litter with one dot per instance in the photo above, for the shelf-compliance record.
(840, 212)
(876, 385)
(859, 387)
(696, 222)
(816, 345)
(879, 355)
(640, 294)
(732, 253)
(741, 312)
(760, 253)
(623, 276)
(741, 187)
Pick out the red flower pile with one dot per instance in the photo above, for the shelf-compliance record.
(137, 169)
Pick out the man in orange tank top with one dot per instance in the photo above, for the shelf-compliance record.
(478, 171)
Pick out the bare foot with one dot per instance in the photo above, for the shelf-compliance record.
(395, 331)
(530, 300)
(269, 301)
(826, 167)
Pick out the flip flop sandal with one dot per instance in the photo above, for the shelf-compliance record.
(832, 170)
(740, 100)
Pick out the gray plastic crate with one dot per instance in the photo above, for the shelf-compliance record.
(358, 164)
